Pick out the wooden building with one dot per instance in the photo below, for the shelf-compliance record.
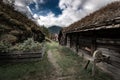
(97, 31)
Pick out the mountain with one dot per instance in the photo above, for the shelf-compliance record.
(16, 27)
(54, 29)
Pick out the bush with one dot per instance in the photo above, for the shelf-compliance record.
(27, 45)
(4, 46)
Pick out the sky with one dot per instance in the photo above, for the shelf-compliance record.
(58, 12)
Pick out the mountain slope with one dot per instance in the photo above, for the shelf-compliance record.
(54, 29)
(16, 27)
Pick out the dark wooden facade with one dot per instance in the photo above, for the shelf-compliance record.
(104, 36)
(106, 40)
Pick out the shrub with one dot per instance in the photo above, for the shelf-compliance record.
(27, 45)
(4, 46)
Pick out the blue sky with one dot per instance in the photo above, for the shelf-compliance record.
(46, 7)
(58, 12)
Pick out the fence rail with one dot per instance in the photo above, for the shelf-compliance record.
(20, 56)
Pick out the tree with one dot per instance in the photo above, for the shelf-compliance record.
(45, 31)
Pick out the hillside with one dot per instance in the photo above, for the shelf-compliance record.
(54, 29)
(16, 27)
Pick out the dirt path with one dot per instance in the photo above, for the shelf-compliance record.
(58, 69)
(54, 55)
(68, 65)
(54, 62)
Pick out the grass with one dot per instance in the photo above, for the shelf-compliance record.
(73, 65)
(70, 63)
(27, 71)
(11, 20)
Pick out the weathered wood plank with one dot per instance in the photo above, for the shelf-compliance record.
(112, 70)
(20, 60)
(108, 41)
(110, 50)
(21, 57)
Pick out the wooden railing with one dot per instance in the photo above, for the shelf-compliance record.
(20, 56)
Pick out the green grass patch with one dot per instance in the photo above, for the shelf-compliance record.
(70, 63)
(73, 65)
(27, 71)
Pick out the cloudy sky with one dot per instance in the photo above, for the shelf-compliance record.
(58, 12)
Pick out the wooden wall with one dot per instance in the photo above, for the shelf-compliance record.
(108, 41)
(111, 49)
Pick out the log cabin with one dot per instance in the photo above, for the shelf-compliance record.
(97, 31)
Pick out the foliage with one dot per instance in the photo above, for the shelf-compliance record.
(45, 31)
(17, 24)
(27, 45)
(4, 46)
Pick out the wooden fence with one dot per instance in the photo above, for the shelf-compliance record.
(20, 56)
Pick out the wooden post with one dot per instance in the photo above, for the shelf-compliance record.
(93, 48)
(77, 43)
(94, 68)
(65, 39)
(71, 41)
(68, 40)
(87, 64)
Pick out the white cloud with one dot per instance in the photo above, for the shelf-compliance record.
(72, 10)
(37, 3)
